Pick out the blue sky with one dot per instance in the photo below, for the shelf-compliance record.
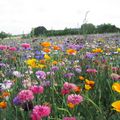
(18, 16)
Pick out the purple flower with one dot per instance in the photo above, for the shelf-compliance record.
(55, 68)
(41, 75)
(45, 83)
(16, 101)
(69, 75)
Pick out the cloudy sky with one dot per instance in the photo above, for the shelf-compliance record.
(18, 16)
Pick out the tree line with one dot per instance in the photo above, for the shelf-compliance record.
(87, 28)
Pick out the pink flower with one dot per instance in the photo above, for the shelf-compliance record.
(12, 48)
(3, 47)
(68, 87)
(40, 112)
(25, 45)
(74, 99)
(37, 89)
(115, 76)
(25, 95)
(91, 70)
(69, 118)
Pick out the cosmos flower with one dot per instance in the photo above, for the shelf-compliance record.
(37, 89)
(25, 95)
(74, 99)
(40, 111)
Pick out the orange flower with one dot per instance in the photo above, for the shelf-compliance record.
(3, 105)
(42, 61)
(77, 89)
(116, 105)
(81, 78)
(70, 105)
(116, 87)
(46, 44)
(56, 47)
(47, 50)
(97, 50)
(5, 94)
(71, 52)
(89, 84)
(54, 62)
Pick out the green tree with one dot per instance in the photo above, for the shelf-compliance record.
(87, 28)
(3, 35)
(107, 28)
(41, 30)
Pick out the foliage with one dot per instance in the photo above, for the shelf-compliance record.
(38, 31)
(107, 28)
(3, 35)
(87, 28)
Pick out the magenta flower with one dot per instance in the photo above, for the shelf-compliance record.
(37, 89)
(40, 111)
(25, 95)
(74, 99)
(3, 47)
(12, 48)
(69, 118)
(25, 45)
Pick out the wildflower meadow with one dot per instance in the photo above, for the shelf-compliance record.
(60, 78)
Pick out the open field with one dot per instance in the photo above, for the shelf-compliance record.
(60, 78)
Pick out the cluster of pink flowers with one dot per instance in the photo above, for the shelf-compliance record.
(89, 70)
(67, 87)
(74, 99)
(40, 111)
(25, 95)
(37, 89)
(3, 47)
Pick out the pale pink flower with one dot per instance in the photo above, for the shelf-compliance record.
(74, 99)
(25, 95)
(89, 70)
(115, 76)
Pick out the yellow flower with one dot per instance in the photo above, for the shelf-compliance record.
(118, 49)
(47, 57)
(116, 87)
(88, 87)
(116, 105)
(71, 52)
(3, 105)
(97, 50)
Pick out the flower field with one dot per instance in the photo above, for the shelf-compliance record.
(60, 78)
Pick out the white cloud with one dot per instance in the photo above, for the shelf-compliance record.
(17, 16)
